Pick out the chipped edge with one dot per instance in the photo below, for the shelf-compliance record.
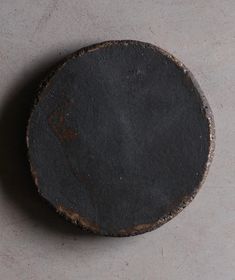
(77, 219)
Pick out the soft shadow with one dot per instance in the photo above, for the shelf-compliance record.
(15, 173)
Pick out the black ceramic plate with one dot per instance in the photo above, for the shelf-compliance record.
(120, 138)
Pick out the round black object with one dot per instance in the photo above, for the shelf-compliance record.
(120, 138)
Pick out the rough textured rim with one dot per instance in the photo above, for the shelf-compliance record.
(74, 217)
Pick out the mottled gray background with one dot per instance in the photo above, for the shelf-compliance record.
(36, 244)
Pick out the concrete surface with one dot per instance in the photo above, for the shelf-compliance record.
(36, 244)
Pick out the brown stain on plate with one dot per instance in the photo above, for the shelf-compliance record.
(57, 121)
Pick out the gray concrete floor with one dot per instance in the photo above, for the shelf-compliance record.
(36, 244)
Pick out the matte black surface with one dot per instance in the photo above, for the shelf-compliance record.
(119, 136)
